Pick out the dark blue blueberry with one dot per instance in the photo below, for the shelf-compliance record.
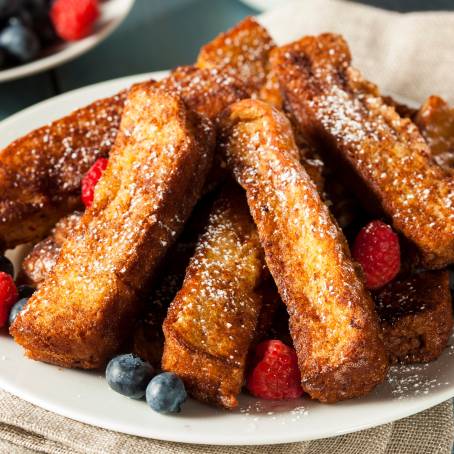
(19, 41)
(166, 393)
(129, 375)
(16, 309)
(6, 266)
(25, 291)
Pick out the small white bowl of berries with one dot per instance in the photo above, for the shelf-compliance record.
(36, 35)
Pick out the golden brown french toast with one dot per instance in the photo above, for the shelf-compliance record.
(241, 52)
(206, 91)
(148, 337)
(41, 260)
(402, 109)
(40, 173)
(81, 314)
(333, 323)
(416, 316)
(380, 153)
(212, 321)
(435, 120)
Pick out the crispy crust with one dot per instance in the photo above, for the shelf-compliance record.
(148, 337)
(40, 173)
(333, 324)
(212, 321)
(83, 311)
(435, 120)
(206, 91)
(241, 52)
(381, 152)
(416, 316)
(41, 260)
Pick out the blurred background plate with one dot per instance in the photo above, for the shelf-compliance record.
(113, 12)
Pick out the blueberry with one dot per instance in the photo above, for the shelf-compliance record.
(19, 41)
(166, 393)
(129, 375)
(6, 266)
(25, 291)
(16, 309)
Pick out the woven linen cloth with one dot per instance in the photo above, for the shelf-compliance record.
(406, 54)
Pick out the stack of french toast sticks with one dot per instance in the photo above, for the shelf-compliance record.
(232, 191)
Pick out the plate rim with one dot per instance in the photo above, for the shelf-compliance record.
(217, 440)
(72, 51)
(411, 408)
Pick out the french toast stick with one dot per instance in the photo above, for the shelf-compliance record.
(241, 52)
(81, 314)
(40, 173)
(435, 120)
(41, 260)
(212, 321)
(147, 336)
(333, 323)
(416, 316)
(380, 153)
(205, 91)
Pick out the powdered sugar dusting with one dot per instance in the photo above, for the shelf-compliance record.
(242, 52)
(161, 154)
(407, 381)
(336, 107)
(217, 308)
(325, 297)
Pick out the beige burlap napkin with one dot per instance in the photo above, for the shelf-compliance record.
(410, 55)
(406, 54)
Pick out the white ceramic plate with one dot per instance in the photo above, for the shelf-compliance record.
(113, 12)
(85, 396)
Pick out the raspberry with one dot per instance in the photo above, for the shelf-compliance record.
(91, 178)
(74, 19)
(377, 249)
(8, 296)
(275, 373)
